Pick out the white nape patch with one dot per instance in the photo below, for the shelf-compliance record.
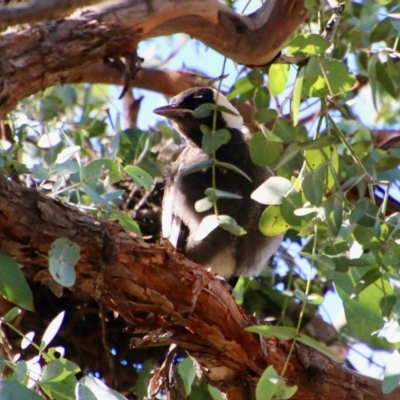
(232, 121)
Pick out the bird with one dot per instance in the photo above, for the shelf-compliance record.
(227, 255)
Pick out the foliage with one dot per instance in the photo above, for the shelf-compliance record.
(336, 193)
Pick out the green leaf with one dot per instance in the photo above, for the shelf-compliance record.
(215, 393)
(11, 390)
(261, 98)
(273, 191)
(265, 115)
(63, 255)
(66, 154)
(313, 186)
(221, 194)
(212, 141)
(11, 314)
(58, 370)
(100, 168)
(52, 330)
(278, 77)
(204, 110)
(272, 223)
(326, 156)
(200, 166)
(66, 168)
(207, 225)
(272, 386)
(94, 196)
(363, 313)
(288, 206)
(20, 371)
(296, 98)
(60, 390)
(380, 31)
(327, 77)
(139, 176)
(386, 304)
(269, 331)
(91, 388)
(367, 279)
(391, 376)
(307, 44)
(242, 86)
(187, 373)
(229, 224)
(13, 285)
(203, 204)
(365, 213)
(386, 164)
(41, 173)
(333, 213)
(233, 168)
(264, 151)
(385, 80)
(284, 129)
(126, 221)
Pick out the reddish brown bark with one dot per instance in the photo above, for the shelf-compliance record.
(35, 57)
(199, 313)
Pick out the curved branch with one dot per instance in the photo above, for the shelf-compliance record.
(33, 58)
(184, 300)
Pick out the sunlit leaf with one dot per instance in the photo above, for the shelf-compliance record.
(272, 223)
(273, 191)
(52, 330)
(278, 77)
(91, 388)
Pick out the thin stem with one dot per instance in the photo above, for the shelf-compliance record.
(214, 159)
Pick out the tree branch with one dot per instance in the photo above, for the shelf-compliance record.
(183, 299)
(33, 58)
(38, 10)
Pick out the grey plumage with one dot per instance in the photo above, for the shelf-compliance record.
(224, 252)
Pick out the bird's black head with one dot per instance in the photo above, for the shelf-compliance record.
(181, 108)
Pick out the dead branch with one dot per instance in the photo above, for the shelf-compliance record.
(184, 300)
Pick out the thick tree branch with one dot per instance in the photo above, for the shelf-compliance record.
(33, 58)
(183, 299)
(38, 10)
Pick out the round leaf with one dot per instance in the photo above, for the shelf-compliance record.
(273, 191)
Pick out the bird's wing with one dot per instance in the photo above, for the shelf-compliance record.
(173, 228)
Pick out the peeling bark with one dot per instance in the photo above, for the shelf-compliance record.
(200, 315)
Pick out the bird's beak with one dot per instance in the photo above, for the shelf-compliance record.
(171, 111)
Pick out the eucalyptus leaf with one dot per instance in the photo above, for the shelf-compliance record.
(13, 285)
(63, 255)
(273, 191)
(140, 176)
(272, 223)
(200, 166)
